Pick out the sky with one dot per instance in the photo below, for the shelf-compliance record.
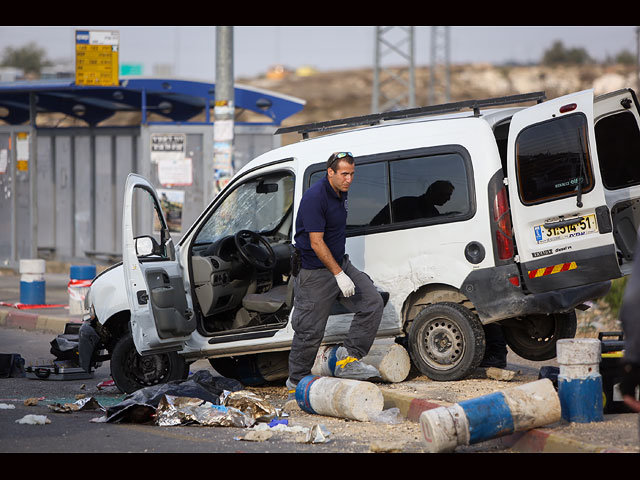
(190, 50)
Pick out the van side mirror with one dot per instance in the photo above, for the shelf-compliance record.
(147, 245)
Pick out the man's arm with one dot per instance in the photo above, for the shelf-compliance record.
(323, 253)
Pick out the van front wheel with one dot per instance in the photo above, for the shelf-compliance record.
(131, 371)
(446, 341)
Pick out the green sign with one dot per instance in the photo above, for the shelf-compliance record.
(131, 69)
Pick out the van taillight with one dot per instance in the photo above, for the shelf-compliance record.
(502, 217)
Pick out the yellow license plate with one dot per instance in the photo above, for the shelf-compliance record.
(585, 226)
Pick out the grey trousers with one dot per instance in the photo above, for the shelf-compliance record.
(315, 291)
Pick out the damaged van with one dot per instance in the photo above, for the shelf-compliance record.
(517, 210)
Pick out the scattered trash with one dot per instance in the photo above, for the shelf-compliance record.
(173, 411)
(251, 405)
(391, 416)
(281, 427)
(34, 420)
(32, 402)
(256, 436)
(106, 384)
(6, 406)
(88, 403)
(318, 434)
(140, 406)
(490, 416)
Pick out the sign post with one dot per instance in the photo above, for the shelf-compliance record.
(97, 58)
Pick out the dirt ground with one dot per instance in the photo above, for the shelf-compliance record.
(620, 432)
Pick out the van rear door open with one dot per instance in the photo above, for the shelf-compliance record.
(618, 140)
(561, 220)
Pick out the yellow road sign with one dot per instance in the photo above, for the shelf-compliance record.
(97, 58)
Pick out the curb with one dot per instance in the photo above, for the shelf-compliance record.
(11, 318)
(538, 440)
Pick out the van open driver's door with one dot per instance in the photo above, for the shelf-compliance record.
(161, 318)
(561, 221)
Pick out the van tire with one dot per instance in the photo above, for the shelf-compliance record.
(446, 341)
(536, 339)
(131, 371)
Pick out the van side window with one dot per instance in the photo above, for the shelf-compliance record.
(552, 158)
(368, 194)
(618, 140)
(426, 187)
(416, 189)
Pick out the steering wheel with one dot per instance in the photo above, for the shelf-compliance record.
(255, 250)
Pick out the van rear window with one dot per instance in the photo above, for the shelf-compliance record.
(552, 159)
(618, 140)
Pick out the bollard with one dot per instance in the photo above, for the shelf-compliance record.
(391, 360)
(579, 380)
(495, 415)
(32, 284)
(80, 281)
(339, 397)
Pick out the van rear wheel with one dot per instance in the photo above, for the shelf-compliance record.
(446, 341)
(534, 337)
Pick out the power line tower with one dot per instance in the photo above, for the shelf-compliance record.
(393, 85)
(439, 87)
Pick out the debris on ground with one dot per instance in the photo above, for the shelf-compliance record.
(88, 403)
(34, 420)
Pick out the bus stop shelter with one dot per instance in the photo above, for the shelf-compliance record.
(61, 187)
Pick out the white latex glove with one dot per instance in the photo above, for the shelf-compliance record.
(345, 284)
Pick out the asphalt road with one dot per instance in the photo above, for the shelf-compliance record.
(76, 433)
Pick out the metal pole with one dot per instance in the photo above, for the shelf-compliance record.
(224, 110)
(33, 176)
(637, 59)
(375, 104)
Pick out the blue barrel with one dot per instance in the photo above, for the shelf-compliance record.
(82, 272)
(579, 382)
(490, 416)
(32, 284)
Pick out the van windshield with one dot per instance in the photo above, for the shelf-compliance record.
(259, 204)
(552, 160)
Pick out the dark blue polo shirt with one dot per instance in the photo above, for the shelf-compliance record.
(321, 210)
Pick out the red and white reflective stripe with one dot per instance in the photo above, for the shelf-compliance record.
(561, 267)
(74, 287)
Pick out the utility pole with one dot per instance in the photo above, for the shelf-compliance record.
(392, 90)
(637, 59)
(224, 110)
(439, 62)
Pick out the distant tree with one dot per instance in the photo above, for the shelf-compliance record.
(625, 57)
(30, 58)
(558, 54)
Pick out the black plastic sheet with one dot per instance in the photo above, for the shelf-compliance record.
(140, 406)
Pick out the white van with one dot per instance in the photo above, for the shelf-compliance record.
(540, 214)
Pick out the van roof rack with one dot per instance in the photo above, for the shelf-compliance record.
(376, 118)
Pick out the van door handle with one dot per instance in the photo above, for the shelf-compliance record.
(563, 223)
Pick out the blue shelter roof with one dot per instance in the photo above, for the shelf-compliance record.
(178, 100)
